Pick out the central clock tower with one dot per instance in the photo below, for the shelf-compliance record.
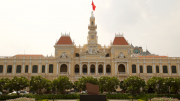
(92, 33)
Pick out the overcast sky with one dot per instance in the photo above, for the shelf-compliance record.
(35, 25)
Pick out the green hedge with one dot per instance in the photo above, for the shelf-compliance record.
(77, 96)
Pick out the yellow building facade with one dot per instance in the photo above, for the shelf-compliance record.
(91, 59)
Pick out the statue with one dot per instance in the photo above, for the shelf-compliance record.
(64, 55)
(121, 55)
(92, 89)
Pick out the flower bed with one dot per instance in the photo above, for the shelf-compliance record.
(164, 99)
(22, 99)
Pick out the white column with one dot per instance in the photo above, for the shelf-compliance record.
(5, 67)
(104, 69)
(127, 68)
(39, 68)
(138, 68)
(169, 68)
(160, 65)
(88, 68)
(14, 67)
(80, 68)
(145, 71)
(57, 68)
(46, 66)
(69, 68)
(96, 69)
(160, 68)
(30, 70)
(178, 68)
(23, 67)
(154, 68)
(115, 68)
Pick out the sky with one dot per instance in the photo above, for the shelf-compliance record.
(33, 26)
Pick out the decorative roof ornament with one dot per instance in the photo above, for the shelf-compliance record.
(92, 15)
(119, 35)
(65, 34)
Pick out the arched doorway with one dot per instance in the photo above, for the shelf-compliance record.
(121, 69)
(84, 69)
(63, 69)
(76, 70)
(108, 69)
(92, 69)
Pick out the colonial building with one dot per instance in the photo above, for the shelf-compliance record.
(120, 59)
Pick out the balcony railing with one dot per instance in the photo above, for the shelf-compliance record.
(63, 73)
(76, 73)
(100, 73)
(84, 73)
(121, 73)
(108, 73)
(92, 73)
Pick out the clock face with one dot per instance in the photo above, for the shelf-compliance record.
(92, 37)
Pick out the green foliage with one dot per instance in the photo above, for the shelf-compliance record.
(162, 85)
(17, 83)
(61, 84)
(2, 84)
(174, 83)
(81, 84)
(111, 84)
(133, 84)
(40, 84)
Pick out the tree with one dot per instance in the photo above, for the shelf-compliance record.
(133, 84)
(3, 84)
(61, 84)
(18, 83)
(158, 84)
(81, 84)
(111, 83)
(40, 84)
(102, 83)
(173, 84)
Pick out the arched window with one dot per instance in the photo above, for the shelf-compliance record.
(108, 69)
(165, 69)
(141, 69)
(100, 69)
(133, 68)
(26, 69)
(149, 69)
(35, 67)
(76, 68)
(173, 69)
(1, 68)
(157, 69)
(18, 69)
(9, 69)
(51, 68)
(84, 68)
(43, 68)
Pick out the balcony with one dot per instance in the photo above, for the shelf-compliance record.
(76, 73)
(63, 73)
(122, 73)
(100, 73)
(108, 73)
(92, 73)
(84, 73)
